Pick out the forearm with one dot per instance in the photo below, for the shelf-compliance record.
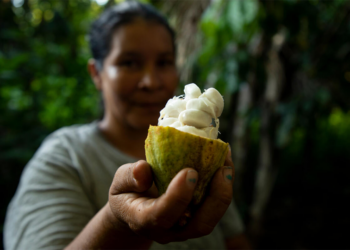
(101, 233)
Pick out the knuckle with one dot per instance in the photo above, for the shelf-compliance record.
(226, 199)
(116, 180)
(118, 174)
(122, 181)
(129, 180)
(182, 201)
(136, 228)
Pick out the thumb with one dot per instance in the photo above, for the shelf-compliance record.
(132, 177)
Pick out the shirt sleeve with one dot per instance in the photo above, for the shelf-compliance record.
(231, 223)
(51, 205)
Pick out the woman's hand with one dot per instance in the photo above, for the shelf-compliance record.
(134, 207)
(134, 216)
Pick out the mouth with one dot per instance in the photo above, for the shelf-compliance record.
(150, 106)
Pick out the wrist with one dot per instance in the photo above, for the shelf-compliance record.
(112, 222)
(122, 229)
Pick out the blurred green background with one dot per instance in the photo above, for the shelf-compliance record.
(282, 66)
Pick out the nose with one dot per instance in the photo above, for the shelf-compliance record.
(150, 79)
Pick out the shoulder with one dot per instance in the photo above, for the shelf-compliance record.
(76, 132)
(54, 194)
(59, 153)
(67, 143)
(71, 135)
(60, 158)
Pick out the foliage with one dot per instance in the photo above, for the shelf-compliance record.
(310, 118)
(227, 27)
(43, 63)
(44, 83)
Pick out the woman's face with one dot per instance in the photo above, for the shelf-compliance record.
(139, 74)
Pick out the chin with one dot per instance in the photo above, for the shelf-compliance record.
(144, 123)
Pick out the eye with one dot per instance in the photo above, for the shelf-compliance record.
(165, 62)
(130, 63)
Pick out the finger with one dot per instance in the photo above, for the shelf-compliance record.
(152, 192)
(127, 190)
(169, 207)
(228, 159)
(133, 177)
(214, 206)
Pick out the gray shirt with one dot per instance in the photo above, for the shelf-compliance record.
(66, 183)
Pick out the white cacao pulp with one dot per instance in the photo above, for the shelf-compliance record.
(196, 113)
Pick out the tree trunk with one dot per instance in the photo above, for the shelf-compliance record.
(267, 171)
(185, 16)
(238, 139)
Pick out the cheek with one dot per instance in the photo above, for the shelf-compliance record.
(115, 91)
(121, 83)
(112, 72)
(171, 80)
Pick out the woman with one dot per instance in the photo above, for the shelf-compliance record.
(65, 198)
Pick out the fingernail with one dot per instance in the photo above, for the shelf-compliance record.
(191, 177)
(228, 174)
(133, 176)
(229, 149)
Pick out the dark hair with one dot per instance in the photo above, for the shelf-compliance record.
(102, 29)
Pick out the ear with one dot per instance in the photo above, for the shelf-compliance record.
(94, 73)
